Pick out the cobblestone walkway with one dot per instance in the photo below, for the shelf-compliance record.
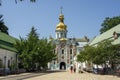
(73, 76)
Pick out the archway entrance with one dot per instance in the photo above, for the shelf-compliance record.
(62, 66)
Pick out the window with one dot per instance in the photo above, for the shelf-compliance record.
(8, 63)
(65, 35)
(62, 51)
(61, 34)
(70, 51)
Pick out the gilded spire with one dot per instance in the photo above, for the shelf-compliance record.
(61, 17)
(61, 25)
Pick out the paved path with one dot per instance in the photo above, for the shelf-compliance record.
(73, 76)
(58, 75)
(20, 76)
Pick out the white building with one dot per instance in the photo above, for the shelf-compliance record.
(80, 46)
(7, 51)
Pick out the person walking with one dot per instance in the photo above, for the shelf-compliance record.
(74, 69)
(71, 69)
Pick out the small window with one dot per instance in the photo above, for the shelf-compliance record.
(8, 63)
(61, 34)
(70, 51)
(62, 51)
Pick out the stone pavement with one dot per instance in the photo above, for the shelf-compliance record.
(65, 75)
(21, 76)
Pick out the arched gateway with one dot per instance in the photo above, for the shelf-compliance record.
(62, 66)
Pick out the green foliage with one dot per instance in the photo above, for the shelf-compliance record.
(24, 0)
(103, 52)
(109, 23)
(45, 52)
(17, 1)
(3, 27)
(33, 50)
(29, 0)
(13, 66)
(88, 54)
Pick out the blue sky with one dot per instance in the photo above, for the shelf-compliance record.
(82, 17)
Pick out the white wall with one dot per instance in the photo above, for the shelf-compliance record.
(79, 48)
(9, 56)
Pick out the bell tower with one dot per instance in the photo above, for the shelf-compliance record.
(61, 28)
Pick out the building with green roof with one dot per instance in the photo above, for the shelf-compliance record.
(112, 34)
(7, 51)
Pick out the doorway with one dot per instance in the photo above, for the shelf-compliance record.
(62, 66)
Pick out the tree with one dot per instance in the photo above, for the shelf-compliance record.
(109, 23)
(88, 54)
(33, 50)
(23, 0)
(17, 1)
(104, 52)
(114, 57)
(3, 27)
(27, 48)
(45, 53)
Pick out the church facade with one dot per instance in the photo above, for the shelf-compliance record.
(65, 48)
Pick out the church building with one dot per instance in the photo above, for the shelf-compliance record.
(65, 48)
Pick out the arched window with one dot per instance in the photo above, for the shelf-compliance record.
(8, 63)
(62, 51)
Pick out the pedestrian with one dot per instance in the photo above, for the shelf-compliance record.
(71, 69)
(74, 69)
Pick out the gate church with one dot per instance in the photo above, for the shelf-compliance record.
(65, 48)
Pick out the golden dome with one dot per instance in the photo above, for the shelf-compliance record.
(61, 25)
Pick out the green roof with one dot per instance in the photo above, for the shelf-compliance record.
(7, 42)
(107, 35)
(7, 38)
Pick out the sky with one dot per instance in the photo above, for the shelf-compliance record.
(82, 17)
